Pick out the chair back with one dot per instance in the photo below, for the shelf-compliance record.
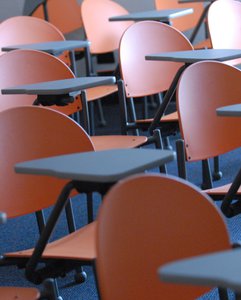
(64, 14)
(146, 221)
(103, 34)
(29, 66)
(143, 77)
(204, 87)
(224, 24)
(28, 30)
(29, 133)
(186, 22)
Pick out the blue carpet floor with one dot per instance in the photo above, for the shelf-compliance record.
(20, 233)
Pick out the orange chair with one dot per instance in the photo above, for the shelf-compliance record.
(225, 35)
(141, 77)
(64, 14)
(203, 87)
(135, 236)
(104, 36)
(186, 22)
(39, 66)
(33, 132)
(28, 30)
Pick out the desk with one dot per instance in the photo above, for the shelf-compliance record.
(221, 269)
(155, 15)
(229, 111)
(60, 87)
(101, 167)
(88, 172)
(62, 92)
(186, 57)
(56, 48)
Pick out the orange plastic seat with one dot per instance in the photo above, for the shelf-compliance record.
(146, 221)
(140, 77)
(104, 36)
(32, 132)
(27, 30)
(64, 14)
(203, 87)
(39, 66)
(186, 22)
(225, 34)
(11, 293)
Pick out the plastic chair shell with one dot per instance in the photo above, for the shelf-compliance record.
(26, 67)
(143, 77)
(146, 221)
(103, 34)
(64, 14)
(19, 293)
(29, 133)
(204, 87)
(186, 22)
(224, 25)
(20, 30)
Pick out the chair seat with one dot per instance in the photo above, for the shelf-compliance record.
(19, 293)
(117, 141)
(172, 117)
(222, 190)
(79, 245)
(100, 91)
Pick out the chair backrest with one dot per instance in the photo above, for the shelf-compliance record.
(224, 24)
(146, 221)
(28, 133)
(64, 14)
(103, 34)
(186, 22)
(29, 66)
(203, 87)
(27, 30)
(144, 77)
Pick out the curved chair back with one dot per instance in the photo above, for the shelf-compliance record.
(186, 22)
(204, 87)
(146, 221)
(28, 30)
(224, 24)
(29, 133)
(143, 77)
(103, 35)
(26, 67)
(64, 14)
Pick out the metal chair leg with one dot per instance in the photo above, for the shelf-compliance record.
(217, 174)
(50, 290)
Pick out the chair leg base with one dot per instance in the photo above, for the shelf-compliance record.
(80, 277)
(50, 290)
